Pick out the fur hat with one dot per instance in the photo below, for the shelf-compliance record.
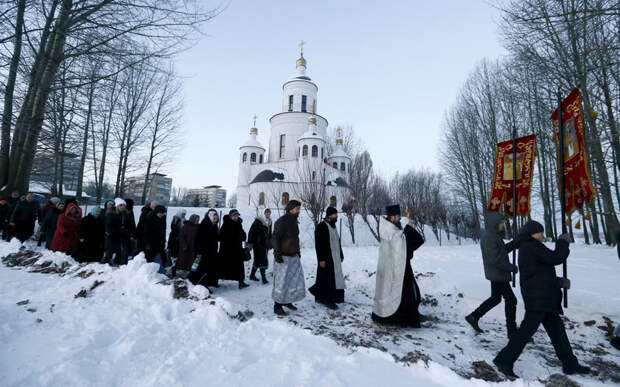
(532, 227)
(119, 202)
(159, 209)
(233, 212)
(292, 204)
(392, 210)
(330, 211)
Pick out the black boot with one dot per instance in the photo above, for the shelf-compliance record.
(290, 306)
(576, 369)
(263, 276)
(473, 322)
(243, 285)
(253, 274)
(505, 369)
(277, 309)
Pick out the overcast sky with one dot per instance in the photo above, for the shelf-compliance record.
(388, 69)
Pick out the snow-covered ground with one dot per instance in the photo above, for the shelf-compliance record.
(131, 330)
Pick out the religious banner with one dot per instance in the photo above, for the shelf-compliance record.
(503, 176)
(578, 186)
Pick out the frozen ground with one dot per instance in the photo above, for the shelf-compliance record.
(96, 325)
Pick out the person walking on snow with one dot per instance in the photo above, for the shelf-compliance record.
(542, 296)
(154, 237)
(329, 286)
(497, 269)
(24, 217)
(188, 245)
(259, 240)
(178, 221)
(232, 255)
(67, 230)
(397, 295)
(288, 276)
(206, 273)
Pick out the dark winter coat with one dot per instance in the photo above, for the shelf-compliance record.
(92, 237)
(67, 231)
(540, 286)
(497, 266)
(144, 213)
(44, 211)
(188, 246)
(119, 229)
(324, 288)
(285, 239)
(173, 239)
(208, 245)
(259, 236)
(24, 216)
(48, 227)
(232, 254)
(154, 236)
(4, 215)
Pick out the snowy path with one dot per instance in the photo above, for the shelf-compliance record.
(130, 331)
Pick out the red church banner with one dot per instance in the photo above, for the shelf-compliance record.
(502, 179)
(579, 189)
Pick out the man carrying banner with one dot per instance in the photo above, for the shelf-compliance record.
(497, 269)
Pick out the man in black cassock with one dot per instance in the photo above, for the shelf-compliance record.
(329, 286)
(397, 295)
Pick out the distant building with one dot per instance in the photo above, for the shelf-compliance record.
(213, 196)
(43, 171)
(158, 189)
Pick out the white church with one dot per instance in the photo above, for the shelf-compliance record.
(297, 155)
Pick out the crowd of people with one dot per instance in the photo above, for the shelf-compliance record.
(111, 235)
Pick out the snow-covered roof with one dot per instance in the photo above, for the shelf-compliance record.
(311, 135)
(268, 176)
(42, 188)
(252, 143)
(339, 152)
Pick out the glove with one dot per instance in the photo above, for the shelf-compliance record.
(278, 257)
(515, 269)
(566, 237)
(564, 282)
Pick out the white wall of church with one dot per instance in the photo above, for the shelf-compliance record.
(292, 125)
(297, 89)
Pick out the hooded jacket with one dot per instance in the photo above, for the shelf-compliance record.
(67, 230)
(497, 266)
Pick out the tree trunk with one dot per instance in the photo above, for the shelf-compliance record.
(91, 91)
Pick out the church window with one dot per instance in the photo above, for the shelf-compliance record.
(304, 152)
(261, 199)
(290, 103)
(315, 151)
(245, 157)
(260, 159)
(313, 175)
(304, 103)
(314, 106)
(253, 158)
(342, 167)
(335, 165)
(322, 153)
(285, 198)
(282, 138)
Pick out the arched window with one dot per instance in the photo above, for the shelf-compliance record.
(260, 159)
(322, 153)
(335, 165)
(285, 198)
(304, 103)
(245, 157)
(304, 152)
(313, 175)
(290, 103)
(253, 158)
(342, 167)
(333, 201)
(315, 151)
(261, 199)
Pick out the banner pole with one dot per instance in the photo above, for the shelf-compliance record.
(514, 199)
(562, 186)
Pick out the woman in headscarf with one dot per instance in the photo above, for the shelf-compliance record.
(208, 245)
(48, 226)
(175, 230)
(92, 231)
(188, 246)
(67, 230)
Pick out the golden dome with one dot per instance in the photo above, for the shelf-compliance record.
(301, 61)
(312, 120)
(253, 130)
(338, 141)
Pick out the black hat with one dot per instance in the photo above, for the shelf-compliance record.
(160, 209)
(330, 211)
(233, 212)
(532, 227)
(392, 210)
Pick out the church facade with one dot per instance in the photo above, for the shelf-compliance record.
(296, 163)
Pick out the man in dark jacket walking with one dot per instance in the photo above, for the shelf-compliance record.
(154, 237)
(329, 286)
(542, 296)
(259, 239)
(24, 217)
(497, 269)
(232, 255)
(288, 276)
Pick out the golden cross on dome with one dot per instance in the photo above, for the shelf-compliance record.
(254, 118)
(301, 44)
